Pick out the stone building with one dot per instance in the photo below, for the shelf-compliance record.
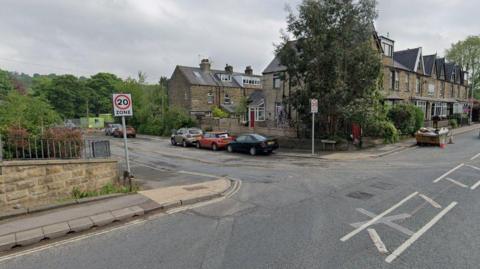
(199, 89)
(439, 88)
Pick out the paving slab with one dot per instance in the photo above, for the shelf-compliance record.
(56, 230)
(29, 237)
(7, 242)
(122, 214)
(102, 219)
(137, 211)
(81, 224)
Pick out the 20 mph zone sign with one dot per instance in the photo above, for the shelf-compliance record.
(122, 104)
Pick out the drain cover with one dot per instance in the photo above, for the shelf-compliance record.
(360, 195)
(194, 188)
(383, 186)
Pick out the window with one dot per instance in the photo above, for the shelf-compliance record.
(418, 89)
(422, 105)
(276, 81)
(457, 108)
(397, 81)
(387, 49)
(259, 112)
(210, 98)
(439, 109)
(392, 79)
(227, 100)
(251, 81)
(407, 82)
(431, 89)
(225, 77)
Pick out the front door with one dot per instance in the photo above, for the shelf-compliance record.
(252, 118)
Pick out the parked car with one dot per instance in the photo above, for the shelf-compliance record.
(131, 132)
(253, 144)
(111, 127)
(186, 136)
(214, 140)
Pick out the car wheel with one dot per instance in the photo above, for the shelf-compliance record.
(174, 143)
(230, 148)
(184, 144)
(198, 145)
(214, 147)
(253, 151)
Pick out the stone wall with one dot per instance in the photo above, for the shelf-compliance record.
(38, 182)
(234, 127)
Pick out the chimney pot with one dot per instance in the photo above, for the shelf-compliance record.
(249, 70)
(205, 65)
(228, 68)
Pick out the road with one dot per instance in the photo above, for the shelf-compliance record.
(418, 208)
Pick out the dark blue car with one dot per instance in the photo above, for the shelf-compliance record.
(253, 144)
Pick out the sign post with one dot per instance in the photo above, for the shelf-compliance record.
(313, 110)
(122, 106)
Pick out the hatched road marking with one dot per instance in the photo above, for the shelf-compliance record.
(397, 252)
(385, 220)
(448, 173)
(430, 201)
(474, 157)
(456, 182)
(377, 241)
(378, 217)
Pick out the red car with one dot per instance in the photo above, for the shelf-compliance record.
(131, 132)
(214, 140)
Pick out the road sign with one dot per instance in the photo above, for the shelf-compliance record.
(122, 104)
(314, 105)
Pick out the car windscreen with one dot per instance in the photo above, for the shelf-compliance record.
(224, 135)
(194, 132)
(259, 137)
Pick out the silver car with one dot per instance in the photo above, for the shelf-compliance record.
(186, 136)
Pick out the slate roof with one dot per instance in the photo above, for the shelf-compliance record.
(196, 76)
(429, 61)
(439, 63)
(449, 67)
(274, 66)
(407, 58)
(256, 98)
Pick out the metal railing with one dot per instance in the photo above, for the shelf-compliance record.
(34, 148)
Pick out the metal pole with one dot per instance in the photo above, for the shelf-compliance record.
(126, 145)
(471, 106)
(313, 133)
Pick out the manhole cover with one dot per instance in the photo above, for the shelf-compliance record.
(194, 188)
(383, 186)
(360, 195)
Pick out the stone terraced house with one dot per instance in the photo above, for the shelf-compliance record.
(199, 89)
(439, 88)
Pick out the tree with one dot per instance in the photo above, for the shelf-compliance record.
(332, 58)
(5, 83)
(466, 53)
(100, 88)
(28, 112)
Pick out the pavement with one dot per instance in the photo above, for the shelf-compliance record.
(415, 208)
(30, 229)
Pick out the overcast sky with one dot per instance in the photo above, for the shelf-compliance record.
(125, 36)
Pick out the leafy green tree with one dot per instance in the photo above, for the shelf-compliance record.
(5, 83)
(407, 118)
(25, 111)
(466, 53)
(332, 58)
(99, 89)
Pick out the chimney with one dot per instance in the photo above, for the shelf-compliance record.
(205, 65)
(249, 70)
(228, 68)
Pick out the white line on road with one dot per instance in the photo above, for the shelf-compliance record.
(475, 185)
(377, 241)
(474, 167)
(198, 174)
(430, 201)
(385, 220)
(448, 173)
(397, 252)
(474, 157)
(456, 182)
(375, 219)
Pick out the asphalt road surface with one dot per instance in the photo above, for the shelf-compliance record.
(419, 208)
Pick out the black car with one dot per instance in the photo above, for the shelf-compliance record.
(253, 144)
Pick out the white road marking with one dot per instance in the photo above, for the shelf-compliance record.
(448, 173)
(456, 182)
(397, 252)
(68, 241)
(198, 174)
(430, 201)
(475, 185)
(385, 220)
(377, 241)
(375, 219)
(474, 157)
(474, 167)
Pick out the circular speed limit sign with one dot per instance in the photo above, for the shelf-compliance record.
(122, 104)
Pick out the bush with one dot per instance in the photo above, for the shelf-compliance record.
(453, 123)
(219, 113)
(390, 133)
(406, 118)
